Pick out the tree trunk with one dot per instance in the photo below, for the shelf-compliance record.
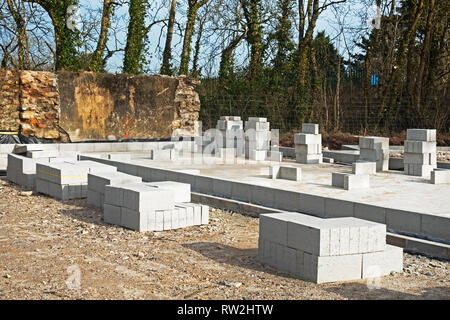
(134, 59)
(167, 54)
(97, 63)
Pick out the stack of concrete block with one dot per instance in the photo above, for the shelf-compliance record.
(257, 139)
(420, 152)
(440, 176)
(350, 181)
(364, 167)
(65, 181)
(286, 173)
(375, 149)
(326, 250)
(152, 206)
(230, 133)
(22, 169)
(98, 181)
(308, 144)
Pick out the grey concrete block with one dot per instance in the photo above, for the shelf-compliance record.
(145, 198)
(257, 155)
(286, 200)
(133, 219)
(159, 220)
(205, 214)
(377, 264)
(275, 156)
(34, 154)
(373, 143)
(258, 126)
(181, 191)
(241, 191)
(274, 172)
(304, 138)
(222, 188)
(57, 191)
(419, 170)
(95, 199)
(335, 208)
(310, 149)
(308, 158)
(353, 181)
(337, 179)
(419, 158)
(404, 221)
(119, 146)
(263, 195)
(290, 173)
(167, 219)
(419, 147)
(21, 164)
(310, 128)
(364, 167)
(95, 167)
(436, 227)
(274, 227)
(327, 160)
(369, 212)
(308, 235)
(102, 147)
(182, 215)
(421, 135)
(203, 184)
(42, 186)
(112, 214)
(175, 218)
(257, 119)
(98, 181)
(311, 204)
(134, 146)
(440, 176)
(335, 268)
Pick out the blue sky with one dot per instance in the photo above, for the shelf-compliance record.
(159, 10)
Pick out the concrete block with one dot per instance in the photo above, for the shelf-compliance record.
(254, 135)
(364, 167)
(257, 155)
(310, 128)
(21, 164)
(257, 126)
(57, 191)
(310, 149)
(95, 167)
(133, 219)
(286, 200)
(274, 227)
(311, 204)
(98, 181)
(34, 154)
(421, 135)
(418, 170)
(241, 191)
(225, 153)
(369, 212)
(305, 138)
(62, 173)
(203, 184)
(263, 195)
(197, 214)
(134, 146)
(145, 198)
(275, 156)
(327, 160)
(377, 264)
(290, 173)
(112, 214)
(335, 208)
(420, 146)
(256, 119)
(404, 221)
(419, 158)
(95, 199)
(119, 147)
(182, 215)
(306, 234)
(436, 227)
(308, 158)
(440, 176)
(119, 156)
(159, 220)
(42, 186)
(167, 219)
(102, 147)
(334, 268)
(162, 155)
(353, 181)
(337, 179)
(373, 143)
(181, 191)
(205, 214)
(222, 188)
(175, 218)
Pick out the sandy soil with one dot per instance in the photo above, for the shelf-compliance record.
(45, 244)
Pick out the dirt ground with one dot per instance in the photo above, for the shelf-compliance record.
(45, 244)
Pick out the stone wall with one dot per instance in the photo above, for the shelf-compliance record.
(93, 106)
(9, 101)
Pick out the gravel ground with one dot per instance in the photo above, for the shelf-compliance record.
(45, 244)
